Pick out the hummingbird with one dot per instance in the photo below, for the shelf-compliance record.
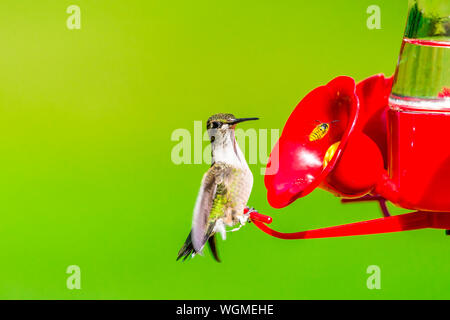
(224, 190)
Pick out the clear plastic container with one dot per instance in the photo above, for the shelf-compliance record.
(419, 115)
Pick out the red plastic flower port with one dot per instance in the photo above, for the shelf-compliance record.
(309, 154)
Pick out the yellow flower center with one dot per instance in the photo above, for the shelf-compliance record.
(330, 153)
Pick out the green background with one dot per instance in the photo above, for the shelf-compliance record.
(86, 177)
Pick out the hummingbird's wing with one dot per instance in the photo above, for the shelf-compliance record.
(211, 197)
(200, 231)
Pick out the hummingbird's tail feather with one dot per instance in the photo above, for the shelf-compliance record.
(213, 247)
(187, 250)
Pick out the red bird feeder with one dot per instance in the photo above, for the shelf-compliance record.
(382, 139)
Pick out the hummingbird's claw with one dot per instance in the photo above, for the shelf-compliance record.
(249, 210)
(243, 219)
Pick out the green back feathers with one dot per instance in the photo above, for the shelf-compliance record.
(220, 200)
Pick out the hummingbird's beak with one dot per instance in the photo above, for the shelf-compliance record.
(236, 121)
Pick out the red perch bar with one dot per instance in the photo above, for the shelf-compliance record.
(404, 222)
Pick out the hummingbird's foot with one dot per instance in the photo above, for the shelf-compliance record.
(243, 219)
(249, 210)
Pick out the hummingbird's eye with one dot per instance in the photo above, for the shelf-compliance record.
(216, 124)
